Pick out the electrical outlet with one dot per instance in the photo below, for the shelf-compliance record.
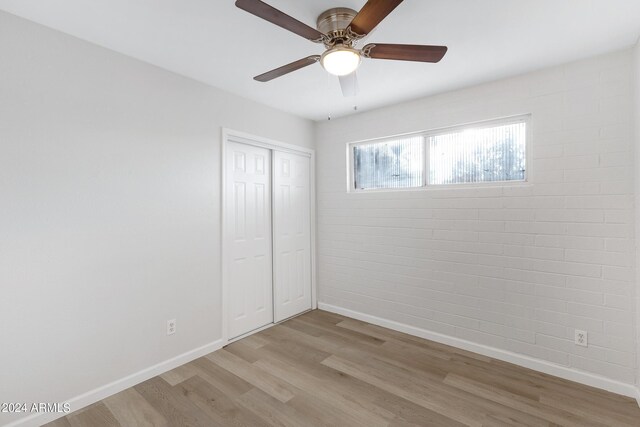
(171, 327)
(581, 338)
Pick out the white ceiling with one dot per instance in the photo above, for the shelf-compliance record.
(214, 42)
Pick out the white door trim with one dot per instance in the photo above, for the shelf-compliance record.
(245, 138)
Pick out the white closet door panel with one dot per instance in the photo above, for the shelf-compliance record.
(292, 234)
(248, 238)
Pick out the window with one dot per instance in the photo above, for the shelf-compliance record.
(480, 153)
(397, 163)
(488, 154)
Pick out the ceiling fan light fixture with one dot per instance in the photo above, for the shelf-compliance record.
(340, 60)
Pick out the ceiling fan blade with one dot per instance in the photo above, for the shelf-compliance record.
(281, 19)
(349, 84)
(286, 69)
(371, 14)
(404, 52)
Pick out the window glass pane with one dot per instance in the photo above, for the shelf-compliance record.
(390, 164)
(478, 155)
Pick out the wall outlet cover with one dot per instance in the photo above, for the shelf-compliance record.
(171, 327)
(581, 338)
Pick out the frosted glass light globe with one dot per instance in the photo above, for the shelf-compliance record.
(340, 61)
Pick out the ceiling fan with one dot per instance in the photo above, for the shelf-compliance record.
(340, 29)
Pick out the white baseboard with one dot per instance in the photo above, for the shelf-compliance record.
(638, 394)
(540, 365)
(117, 386)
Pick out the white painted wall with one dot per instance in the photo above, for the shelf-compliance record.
(516, 268)
(109, 211)
(636, 71)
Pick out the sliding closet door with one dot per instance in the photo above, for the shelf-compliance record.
(248, 238)
(292, 234)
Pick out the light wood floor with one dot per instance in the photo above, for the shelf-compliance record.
(325, 369)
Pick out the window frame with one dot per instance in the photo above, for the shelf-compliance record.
(352, 166)
(426, 161)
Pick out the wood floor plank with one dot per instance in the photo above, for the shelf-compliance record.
(403, 356)
(321, 316)
(520, 403)
(501, 421)
(323, 369)
(132, 410)
(254, 341)
(226, 381)
(410, 414)
(530, 381)
(408, 391)
(388, 334)
(356, 412)
(219, 406)
(286, 334)
(178, 374)
(253, 375)
(356, 394)
(60, 422)
(272, 410)
(243, 351)
(173, 405)
(581, 408)
(331, 330)
(97, 415)
(318, 411)
(433, 395)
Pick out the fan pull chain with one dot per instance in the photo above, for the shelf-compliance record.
(355, 98)
(328, 96)
(355, 106)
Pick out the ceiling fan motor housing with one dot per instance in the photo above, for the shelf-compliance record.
(334, 23)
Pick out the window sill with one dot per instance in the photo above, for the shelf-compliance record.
(447, 187)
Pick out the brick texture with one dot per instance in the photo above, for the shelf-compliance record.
(518, 267)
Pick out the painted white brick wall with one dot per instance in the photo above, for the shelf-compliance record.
(517, 267)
